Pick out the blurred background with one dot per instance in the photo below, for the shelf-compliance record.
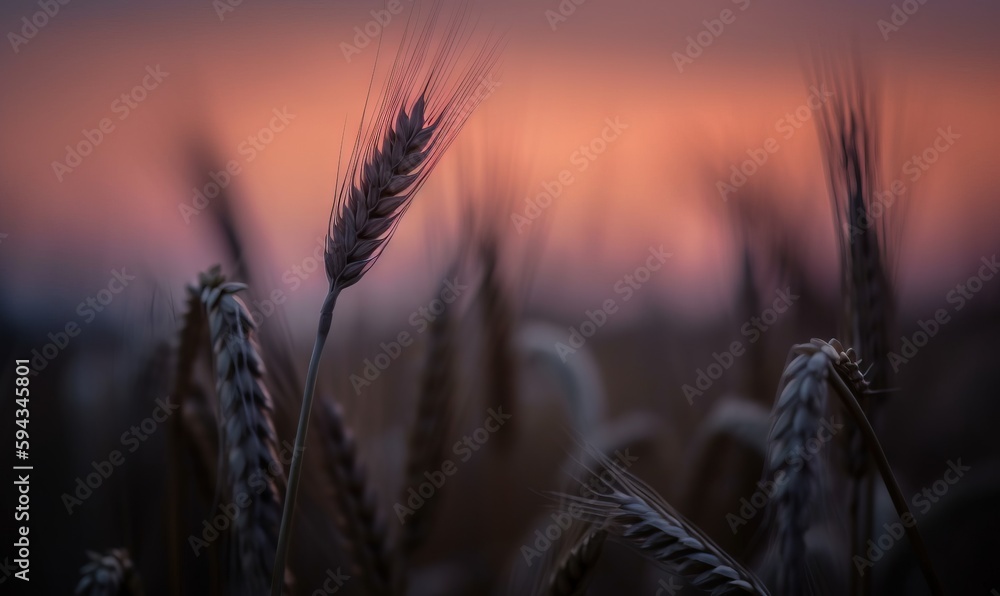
(611, 133)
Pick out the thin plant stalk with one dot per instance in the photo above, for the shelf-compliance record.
(889, 479)
(285, 533)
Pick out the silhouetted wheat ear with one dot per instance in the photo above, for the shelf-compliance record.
(192, 339)
(797, 417)
(192, 333)
(254, 472)
(430, 92)
(109, 574)
(636, 515)
(429, 434)
(847, 365)
(569, 578)
(410, 131)
(375, 203)
(498, 319)
(849, 129)
(362, 528)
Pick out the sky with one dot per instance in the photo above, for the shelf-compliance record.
(628, 113)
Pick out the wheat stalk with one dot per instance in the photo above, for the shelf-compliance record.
(254, 471)
(849, 400)
(805, 386)
(109, 574)
(361, 527)
(498, 319)
(421, 110)
(849, 127)
(635, 514)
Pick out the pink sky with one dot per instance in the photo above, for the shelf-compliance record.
(653, 185)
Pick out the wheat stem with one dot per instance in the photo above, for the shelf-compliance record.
(398, 145)
(285, 533)
(889, 479)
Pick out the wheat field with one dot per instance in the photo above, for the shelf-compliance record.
(590, 318)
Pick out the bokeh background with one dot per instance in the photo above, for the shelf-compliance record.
(559, 83)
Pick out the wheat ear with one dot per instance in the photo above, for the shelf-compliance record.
(848, 128)
(192, 336)
(570, 576)
(254, 471)
(848, 125)
(420, 111)
(843, 373)
(109, 574)
(362, 528)
(636, 515)
(801, 404)
(429, 434)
